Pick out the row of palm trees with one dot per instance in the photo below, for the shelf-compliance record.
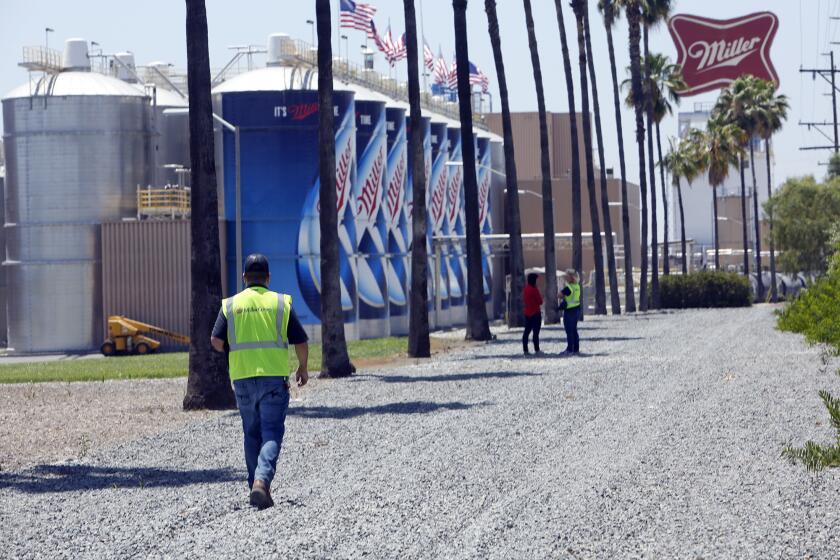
(749, 109)
(652, 87)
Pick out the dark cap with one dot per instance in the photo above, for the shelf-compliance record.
(256, 264)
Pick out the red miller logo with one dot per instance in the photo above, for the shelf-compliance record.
(713, 53)
(303, 110)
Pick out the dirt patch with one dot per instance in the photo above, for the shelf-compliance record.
(47, 422)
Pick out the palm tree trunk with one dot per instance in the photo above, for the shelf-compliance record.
(615, 300)
(418, 326)
(514, 226)
(666, 265)
(335, 361)
(629, 295)
(744, 222)
(634, 32)
(774, 295)
(654, 230)
(756, 227)
(717, 238)
(545, 167)
(577, 240)
(478, 327)
(208, 384)
(579, 7)
(682, 227)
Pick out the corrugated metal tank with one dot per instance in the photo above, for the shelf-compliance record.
(171, 132)
(77, 147)
(3, 294)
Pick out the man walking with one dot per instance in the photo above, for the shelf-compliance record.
(256, 327)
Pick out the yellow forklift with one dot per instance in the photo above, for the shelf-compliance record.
(127, 336)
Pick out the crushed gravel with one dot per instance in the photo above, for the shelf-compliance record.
(662, 441)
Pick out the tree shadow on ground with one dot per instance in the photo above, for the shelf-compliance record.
(45, 479)
(346, 413)
(525, 357)
(584, 338)
(452, 377)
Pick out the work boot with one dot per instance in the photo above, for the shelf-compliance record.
(261, 495)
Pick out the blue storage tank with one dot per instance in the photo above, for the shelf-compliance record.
(276, 110)
(371, 224)
(484, 172)
(436, 205)
(455, 226)
(396, 218)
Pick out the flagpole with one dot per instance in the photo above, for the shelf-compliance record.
(423, 49)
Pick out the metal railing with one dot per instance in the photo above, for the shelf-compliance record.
(41, 59)
(168, 202)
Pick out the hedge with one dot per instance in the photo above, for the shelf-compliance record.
(704, 289)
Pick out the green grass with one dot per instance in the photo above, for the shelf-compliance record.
(156, 366)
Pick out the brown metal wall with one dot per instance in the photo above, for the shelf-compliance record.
(146, 273)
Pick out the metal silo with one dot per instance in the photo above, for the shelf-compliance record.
(3, 293)
(77, 147)
(171, 135)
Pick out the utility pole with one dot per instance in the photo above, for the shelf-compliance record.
(827, 74)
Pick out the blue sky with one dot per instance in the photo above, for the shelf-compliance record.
(154, 30)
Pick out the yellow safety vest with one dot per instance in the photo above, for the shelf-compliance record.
(573, 299)
(258, 322)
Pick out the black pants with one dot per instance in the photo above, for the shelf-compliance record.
(570, 321)
(532, 323)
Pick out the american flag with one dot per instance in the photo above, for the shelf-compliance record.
(355, 15)
(377, 40)
(400, 49)
(453, 75)
(441, 71)
(428, 56)
(477, 77)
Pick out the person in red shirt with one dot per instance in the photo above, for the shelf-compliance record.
(533, 317)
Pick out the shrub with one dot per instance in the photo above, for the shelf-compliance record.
(816, 312)
(705, 289)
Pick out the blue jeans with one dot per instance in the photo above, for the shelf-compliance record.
(570, 321)
(263, 402)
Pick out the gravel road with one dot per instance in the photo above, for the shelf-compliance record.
(662, 441)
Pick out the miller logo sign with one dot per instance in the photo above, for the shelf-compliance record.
(713, 53)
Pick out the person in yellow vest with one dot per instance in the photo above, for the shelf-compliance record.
(255, 327)
(571, 312)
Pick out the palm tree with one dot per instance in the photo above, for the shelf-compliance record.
(734, 105)
(335, 361)
(772, 113)
(615, 300)
(611, 12)
(633, 9)
(667, 82)
(577, 240)
(418, 326)
(208, 384)
(478, 327)
(580, 8)
(653, 12)
(545, 167)
(723, 149)
(684, 160)
(514, 227)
